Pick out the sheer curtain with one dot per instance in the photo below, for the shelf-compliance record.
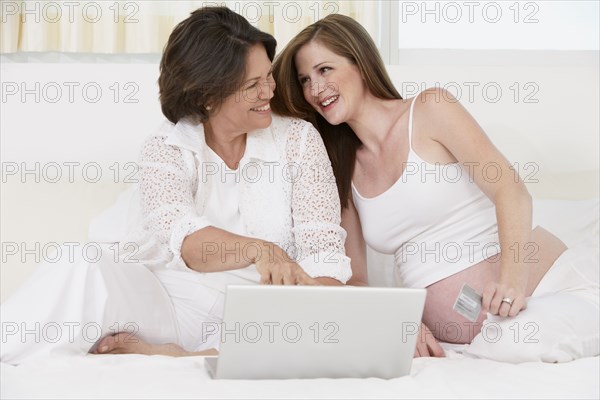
(121, 26)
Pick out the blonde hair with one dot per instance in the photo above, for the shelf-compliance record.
(346, 38)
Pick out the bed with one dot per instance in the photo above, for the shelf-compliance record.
(155, 377)
(456, 376)
(565, 190)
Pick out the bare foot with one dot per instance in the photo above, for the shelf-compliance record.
(128, 343)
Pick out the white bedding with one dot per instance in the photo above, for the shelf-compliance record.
(457, 376)
(136, 376)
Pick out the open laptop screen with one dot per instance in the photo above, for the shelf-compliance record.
(271, 332)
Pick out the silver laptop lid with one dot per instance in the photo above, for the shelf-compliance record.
(277, 332)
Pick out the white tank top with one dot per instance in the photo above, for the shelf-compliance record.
(434, 219)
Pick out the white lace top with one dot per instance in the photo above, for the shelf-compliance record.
(287, 195)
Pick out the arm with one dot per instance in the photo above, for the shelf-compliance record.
(210, 250)
(316, 208)
(448, 123)
(167, 187)
(355, 245)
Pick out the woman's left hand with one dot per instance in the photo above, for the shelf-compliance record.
(503, 298)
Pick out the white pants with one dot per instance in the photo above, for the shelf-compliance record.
(198, 308)
(562, 319)
(68, 305)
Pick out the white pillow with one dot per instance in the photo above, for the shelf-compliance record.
(573, 221)
(112, 224)
(560, 322)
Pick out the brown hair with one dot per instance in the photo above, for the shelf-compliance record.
(347, 38)
(204, 61)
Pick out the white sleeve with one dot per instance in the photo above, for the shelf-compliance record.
(167, 189)
(316, 211)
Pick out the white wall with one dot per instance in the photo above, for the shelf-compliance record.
(559, 133)
(538, 25)
(77, 135)
(77, 111)
(537, 106)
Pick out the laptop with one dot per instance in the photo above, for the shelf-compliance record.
(293, 332)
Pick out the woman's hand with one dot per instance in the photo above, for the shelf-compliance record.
(427, 345)
(505, 298)
(276, 267)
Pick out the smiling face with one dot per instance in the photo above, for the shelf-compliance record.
(248, 108)
(331, 84)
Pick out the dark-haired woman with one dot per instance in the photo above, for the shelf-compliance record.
(228, 194)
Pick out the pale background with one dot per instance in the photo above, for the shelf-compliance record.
(546, 118)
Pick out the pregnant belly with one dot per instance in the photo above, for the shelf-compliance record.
(449, 326)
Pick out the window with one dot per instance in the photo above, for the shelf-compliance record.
(492, 25)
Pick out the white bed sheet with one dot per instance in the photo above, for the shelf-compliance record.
(137, 376)
(457, 376)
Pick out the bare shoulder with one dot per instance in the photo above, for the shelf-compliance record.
(433, 101)
(437, 111)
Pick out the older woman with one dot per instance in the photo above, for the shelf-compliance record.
(228, 192)
(388, 154)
